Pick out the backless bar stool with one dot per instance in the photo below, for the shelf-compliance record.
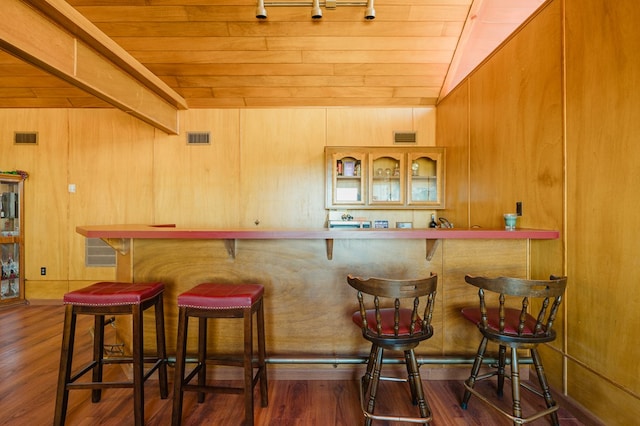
(210, 300)
(112, 298)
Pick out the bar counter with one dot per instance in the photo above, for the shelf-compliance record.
(111, 233)
(171, 231)
(308, 303)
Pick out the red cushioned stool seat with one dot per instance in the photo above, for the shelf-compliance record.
(221, 296)
(112, 298)
(511, 322)
(213, 300)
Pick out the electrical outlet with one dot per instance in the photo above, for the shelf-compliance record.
(519, 208)
(43, 271)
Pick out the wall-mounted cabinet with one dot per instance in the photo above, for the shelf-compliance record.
(384, 178)
(11, 239)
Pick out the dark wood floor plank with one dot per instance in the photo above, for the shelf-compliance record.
(30, 338)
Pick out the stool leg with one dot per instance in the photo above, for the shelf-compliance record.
(261, 356)
(515, 384)
(248, 367)
(502, 355)
(366, 379)
(64, 373)
(138, 366)
(410, 376)
(98, 348)
(420, 400)
(202, 355)
(178, 380)
(471, 381)
(375, 380)
(542, 379)
(161, 347)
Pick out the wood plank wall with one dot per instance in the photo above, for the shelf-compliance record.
(603, 80)
(262, 164)
(523, 117)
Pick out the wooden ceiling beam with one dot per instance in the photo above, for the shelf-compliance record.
(54, 37)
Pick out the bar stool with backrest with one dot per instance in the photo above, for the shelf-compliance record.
(391, 317)
(212, 300)
(107, 299)
(516, 327)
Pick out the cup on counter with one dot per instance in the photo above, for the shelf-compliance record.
(510, 221)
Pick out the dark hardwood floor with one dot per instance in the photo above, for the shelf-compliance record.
(30, 338)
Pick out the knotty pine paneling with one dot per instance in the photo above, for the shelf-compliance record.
(515, 144)
(521, 130)
(490, 258)
(45, 191)
(603, 203)
(199, 185)
(516, 128)
(605, 399)
(308, 303)
(110, 160)
(375, 126)
(281, 169)
(452, 132)
(187, 45)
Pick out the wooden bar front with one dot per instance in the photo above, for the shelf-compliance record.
(308, 303)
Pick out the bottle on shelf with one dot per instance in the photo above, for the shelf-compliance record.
(433, 223)
(339, 168)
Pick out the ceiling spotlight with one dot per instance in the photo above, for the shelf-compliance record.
(261, 12)
(370, 13)
(316, 12)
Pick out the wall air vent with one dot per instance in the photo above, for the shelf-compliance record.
(25, 138)
(97, 253)
(198, 138)
(404, 137)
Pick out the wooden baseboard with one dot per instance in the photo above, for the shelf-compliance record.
(345, 372)
(44, 302)
(578, 410)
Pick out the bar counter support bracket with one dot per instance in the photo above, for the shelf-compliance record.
(121, 245)
(432, 245)
(329, 248)
(230, 245)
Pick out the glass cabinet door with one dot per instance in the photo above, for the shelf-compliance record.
(10, 284)
(381, 178)
(387, 178)
(11, 240)
(347, 175)
(425, 178)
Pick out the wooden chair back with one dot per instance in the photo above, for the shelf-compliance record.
(391, 309)
(532, 326)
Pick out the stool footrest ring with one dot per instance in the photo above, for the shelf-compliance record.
(518, 420)
(390, 418)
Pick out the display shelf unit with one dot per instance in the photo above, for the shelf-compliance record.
(12, 238)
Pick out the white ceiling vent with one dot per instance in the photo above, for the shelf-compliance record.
(404, 137)
(198, 138)
(25, 138)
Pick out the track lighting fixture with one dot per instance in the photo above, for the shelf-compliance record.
(261, 12)
(316, 12)
(370, 12)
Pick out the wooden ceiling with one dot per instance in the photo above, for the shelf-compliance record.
(216, 54)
